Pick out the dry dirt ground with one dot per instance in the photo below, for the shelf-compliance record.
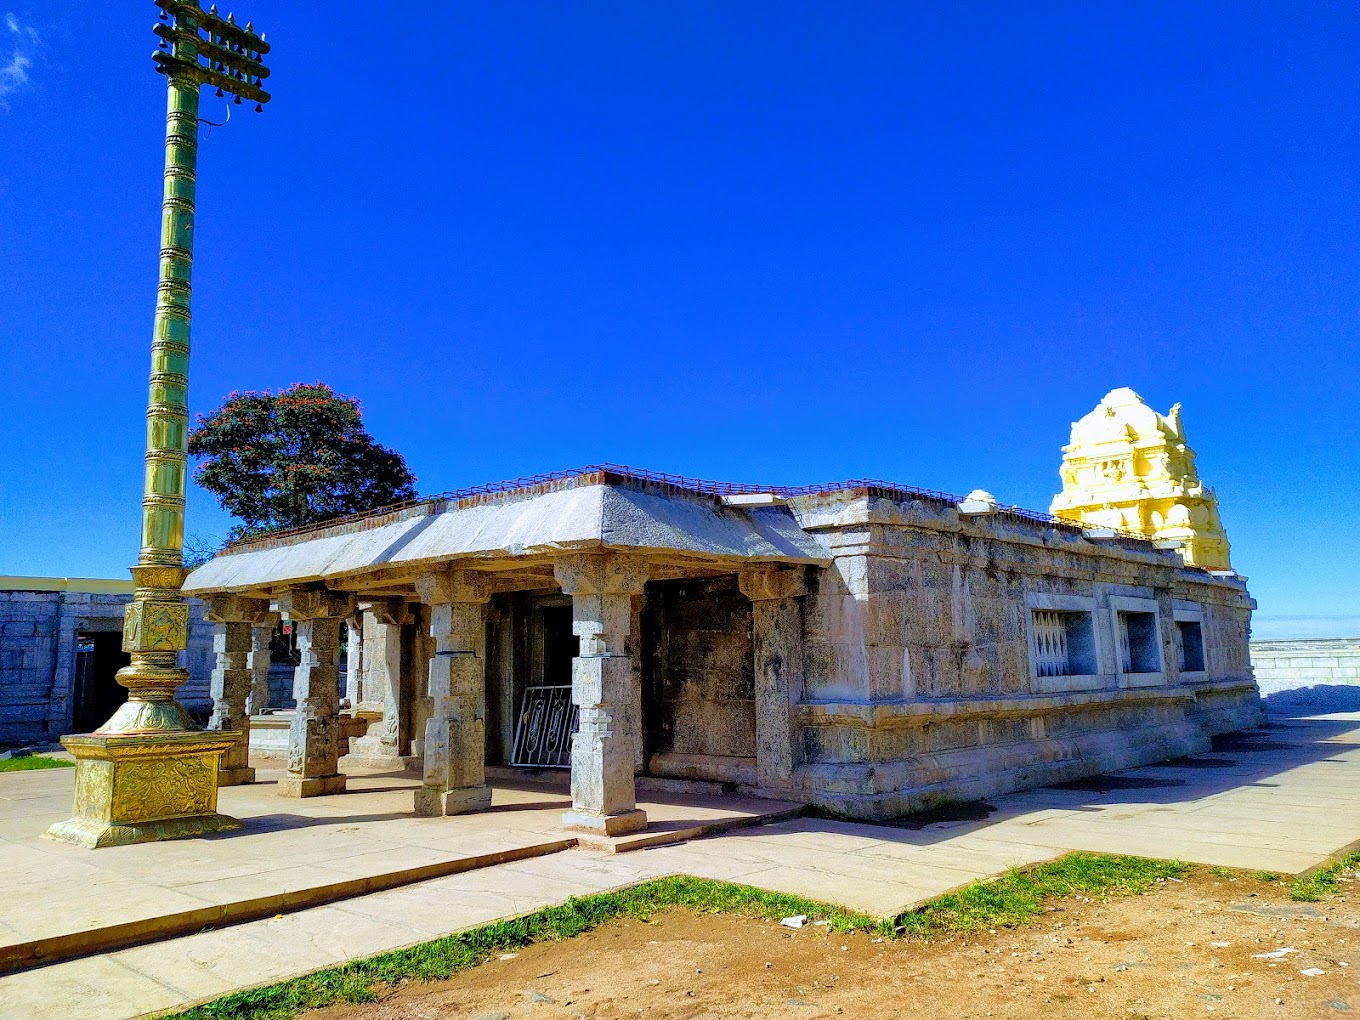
(1186, 949)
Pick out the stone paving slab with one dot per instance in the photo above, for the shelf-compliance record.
(1282, 808)
(289, 854)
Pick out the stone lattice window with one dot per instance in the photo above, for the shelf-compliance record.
(1050, 644)
(1064, 643)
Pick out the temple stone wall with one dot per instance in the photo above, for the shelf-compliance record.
(38, 657)
(920, 681)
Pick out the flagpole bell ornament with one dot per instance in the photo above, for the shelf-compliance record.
(150, 772)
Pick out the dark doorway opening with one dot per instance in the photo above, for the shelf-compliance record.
(97, 695)
(698, 680)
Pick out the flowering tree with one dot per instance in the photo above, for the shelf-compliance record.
(300, 456)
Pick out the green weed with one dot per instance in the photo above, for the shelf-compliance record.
(1325, 881)
(1019, 896)
(34, 761)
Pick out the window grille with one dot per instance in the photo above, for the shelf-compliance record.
(1050, 644)
(546, 723)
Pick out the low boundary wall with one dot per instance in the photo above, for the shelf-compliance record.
(1307, 661)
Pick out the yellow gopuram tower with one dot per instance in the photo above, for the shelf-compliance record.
(1129, 467)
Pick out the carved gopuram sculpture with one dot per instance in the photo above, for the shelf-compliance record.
(1128, 467)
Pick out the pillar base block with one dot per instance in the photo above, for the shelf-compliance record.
(467, 799)
(241, 776)
(433, 801)
(620, 824)
(137, 788)
(381, 762)
(311, 786)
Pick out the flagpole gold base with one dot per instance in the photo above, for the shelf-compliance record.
(136, 788)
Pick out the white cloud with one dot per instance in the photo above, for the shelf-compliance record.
(23, 46)
(14, 74)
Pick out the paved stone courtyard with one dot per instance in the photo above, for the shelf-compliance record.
(1282, 798)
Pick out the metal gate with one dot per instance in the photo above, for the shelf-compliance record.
(546, 723)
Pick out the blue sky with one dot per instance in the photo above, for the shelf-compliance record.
(783, 242)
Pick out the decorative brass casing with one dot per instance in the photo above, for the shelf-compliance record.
(150, 772)
(133, 789)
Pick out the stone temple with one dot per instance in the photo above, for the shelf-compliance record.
(867, 647)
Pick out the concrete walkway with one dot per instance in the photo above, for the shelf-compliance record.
(1281, 799)
(62, 900)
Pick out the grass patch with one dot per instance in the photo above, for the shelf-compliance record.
(1325, 881)
(363, 980)
(1019, 896)
(34, 761)
(1218, 871)
(1265, 876)
(1010, 900)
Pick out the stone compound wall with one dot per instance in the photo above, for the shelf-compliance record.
(38, 631)
(919, 683)
(1306, 662)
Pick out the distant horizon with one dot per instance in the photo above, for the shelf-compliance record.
(1287, 628)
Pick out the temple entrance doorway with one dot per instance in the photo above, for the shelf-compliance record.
(97, 695)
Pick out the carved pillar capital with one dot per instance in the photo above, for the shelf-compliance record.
(235, 609)
(601, 574)
(446, 587)
(315, 604)
(773, 583)
(394, 612)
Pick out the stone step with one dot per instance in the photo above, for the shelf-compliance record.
(108, 938)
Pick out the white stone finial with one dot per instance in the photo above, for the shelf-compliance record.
(979, 501)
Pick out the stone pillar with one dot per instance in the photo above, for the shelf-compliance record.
(383, 688)
(354, 654)
(259, 660)
(455, 735)
(234, 617)
(778, 639)
(314, 738)
(603, 796)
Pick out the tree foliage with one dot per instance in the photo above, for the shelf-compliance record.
(297, 457)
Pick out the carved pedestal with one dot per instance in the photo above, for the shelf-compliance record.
(135, 788)
(148, 773)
